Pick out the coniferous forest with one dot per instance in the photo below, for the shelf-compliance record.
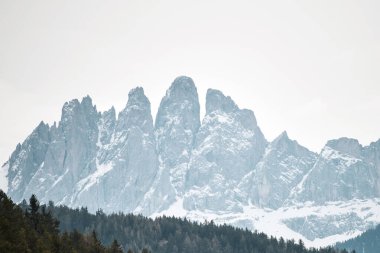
(368, 242)
(31, 227)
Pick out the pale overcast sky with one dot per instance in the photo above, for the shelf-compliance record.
(309, 67)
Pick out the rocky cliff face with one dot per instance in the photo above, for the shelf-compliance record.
(284, 164)
(342, 172)
(89, 159)
(222, 169)
(177, 123)
(227, 147)
(372, 156)
(26, 160)
(126, 159)
(58, 156)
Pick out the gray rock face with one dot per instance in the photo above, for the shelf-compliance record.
(126, 165)
(106, 127)
(91, 159)
(342, 172)
(26, 160)
(282, 167)
(69, 156)
(94, 159)
(228, 145)
(224, 165)
(314, 227)
(177, 123)
(372, 156)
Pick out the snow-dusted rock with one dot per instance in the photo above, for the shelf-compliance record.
(127, 165)
(222, 169)
(372, 156)
(342, 172)
(228, 145)
(177, 123)
(282, 167)
(26, 160)
(70, 153)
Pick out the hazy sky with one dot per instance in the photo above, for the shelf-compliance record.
(309, 67)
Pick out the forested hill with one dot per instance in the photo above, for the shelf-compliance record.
(34, 230)
(368, 242)
(169, 234)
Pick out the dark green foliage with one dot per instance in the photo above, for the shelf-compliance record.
(116, 247)
(34, 230)
(13, 228)
(368, 242)
(169, 234)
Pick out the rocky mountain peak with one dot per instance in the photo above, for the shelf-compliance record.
(285, 144)
(86, 101)
(110, 113)
(281, 139)
(177, 123)
(283, 135)
(137, 97)
(346, 145)
(375, 145)
(69, 108)
(182, 88)
(42, 128)
(217, 101)
(223, 166)
(136, 113)
(75, 111)
(181, 103)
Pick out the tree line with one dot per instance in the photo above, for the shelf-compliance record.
(31, 227)
(171, 234)
(368, 242)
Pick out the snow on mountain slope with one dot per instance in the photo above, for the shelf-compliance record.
(316, 225)
(126, 166)
(177, 123)
(222, 168)
(282, 167)
(228, 145)
(342, 172)
(26, 160)
(69, 154)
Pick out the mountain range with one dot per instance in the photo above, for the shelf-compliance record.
(221, 167)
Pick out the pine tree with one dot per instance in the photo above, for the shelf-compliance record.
(116, 247)
(12, 227)
(96, 244)
(34, 205)
(145, 250)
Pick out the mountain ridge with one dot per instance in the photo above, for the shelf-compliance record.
(221, 164)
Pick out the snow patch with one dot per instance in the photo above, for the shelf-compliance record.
(331, 154)
(176, 209)
(59, 178)
(93, 178)
(273, 222)
(299, 187)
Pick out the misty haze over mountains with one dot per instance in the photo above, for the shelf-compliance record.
(221, 167)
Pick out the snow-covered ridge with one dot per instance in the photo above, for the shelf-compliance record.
(342, 220)
(332, 154)
(220, 168)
